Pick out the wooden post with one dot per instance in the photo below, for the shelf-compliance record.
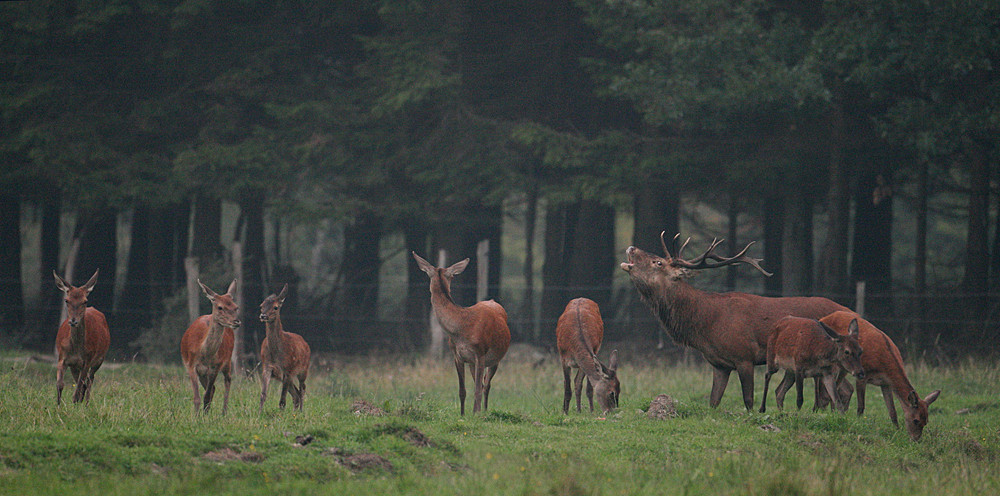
(482, 269)
(193, 292)
(238, 275)
(859, 299)
(437, 332)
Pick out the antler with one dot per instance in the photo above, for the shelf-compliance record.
(703, 261)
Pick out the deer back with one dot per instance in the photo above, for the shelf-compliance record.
(579, 330)
(806, 344)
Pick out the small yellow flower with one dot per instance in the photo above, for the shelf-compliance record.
(496, 476)
(489, 456)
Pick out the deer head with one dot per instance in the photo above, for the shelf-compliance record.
(846, 348)
(270, 308)
(650, 271)
(224, 308)
(608, 389)
(915, 413)
(440, 277)
(76, 298)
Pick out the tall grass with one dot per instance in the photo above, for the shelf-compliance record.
(138, 435)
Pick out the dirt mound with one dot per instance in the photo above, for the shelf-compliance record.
(360, 461)
(662, 407)
(362, 407)
(228, 454)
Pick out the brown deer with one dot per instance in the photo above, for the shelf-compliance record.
(809, 348)
(283, 355)
(82, 340)
(478, 335)
(579, 333)
(729, 329)
(207, 346)
(883, 366)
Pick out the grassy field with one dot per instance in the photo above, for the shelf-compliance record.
(138, 436)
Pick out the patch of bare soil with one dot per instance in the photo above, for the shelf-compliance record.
(363, 407)
(228, 454)
(358, 462)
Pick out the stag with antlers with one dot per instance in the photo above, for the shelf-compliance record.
(729, 329)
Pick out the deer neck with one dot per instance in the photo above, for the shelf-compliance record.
(273, 329)
(680, 308)
(448, 313)
(78, 334)
(213, 339)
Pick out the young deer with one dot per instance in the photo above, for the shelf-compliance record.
(578, 336)
(283, 355)
(82, 340)
(478, 335)
(883, 366)
(207, 346)
(809, 348)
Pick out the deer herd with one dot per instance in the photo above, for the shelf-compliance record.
(805, 336)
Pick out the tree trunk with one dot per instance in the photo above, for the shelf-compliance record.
(206, 229)
(136, 294)
(529, 330)
(168, 242)
(833, 270)
(733, 215)
(656, 209)
(797, 266)
(592, 262)
(255, 278)
(359, 280)
(872, 255)
(98, 233)
(12, 307)
(417, 302)
(560, 230)
(918, 305)
(774, 233)
(975, 282)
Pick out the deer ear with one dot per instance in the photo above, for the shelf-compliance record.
(211, 295)
(832, 334)
(613, 361)
(92, 282)
(913, 399)
(424, 264)
(933, 396)
(232, 289)
(60, 283)
(456, 269)
(852, 328)
(283, 293)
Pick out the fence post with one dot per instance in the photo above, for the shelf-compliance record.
(437, 332)
(482, 269)
(191, 271)
(238, 275)
(859, 299)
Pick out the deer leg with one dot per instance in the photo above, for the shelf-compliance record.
(720, 378)
(860, 386)
(284, 392)
(889, 404)
(567, 390)
(302, 391)
(265, 381)
(799, 383)
(461, 382)
(745, 371)
(578, 388)
(294, 392)
(209, 390)
(227, 378)
(60, 371)
(487, 382)
(80, 378)
(782, 389)
(590, 394)
(767, 382)
(194, 385)
(477, 404)
(830, 384)
(90, 384)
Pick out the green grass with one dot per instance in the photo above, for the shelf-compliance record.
(138, 436)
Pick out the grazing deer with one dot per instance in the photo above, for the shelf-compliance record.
(82, 340)
(883, 366)
(809, 348)
(578, 336)
(729, 329)
(207, 346)
(478, 335)
(283, 355)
